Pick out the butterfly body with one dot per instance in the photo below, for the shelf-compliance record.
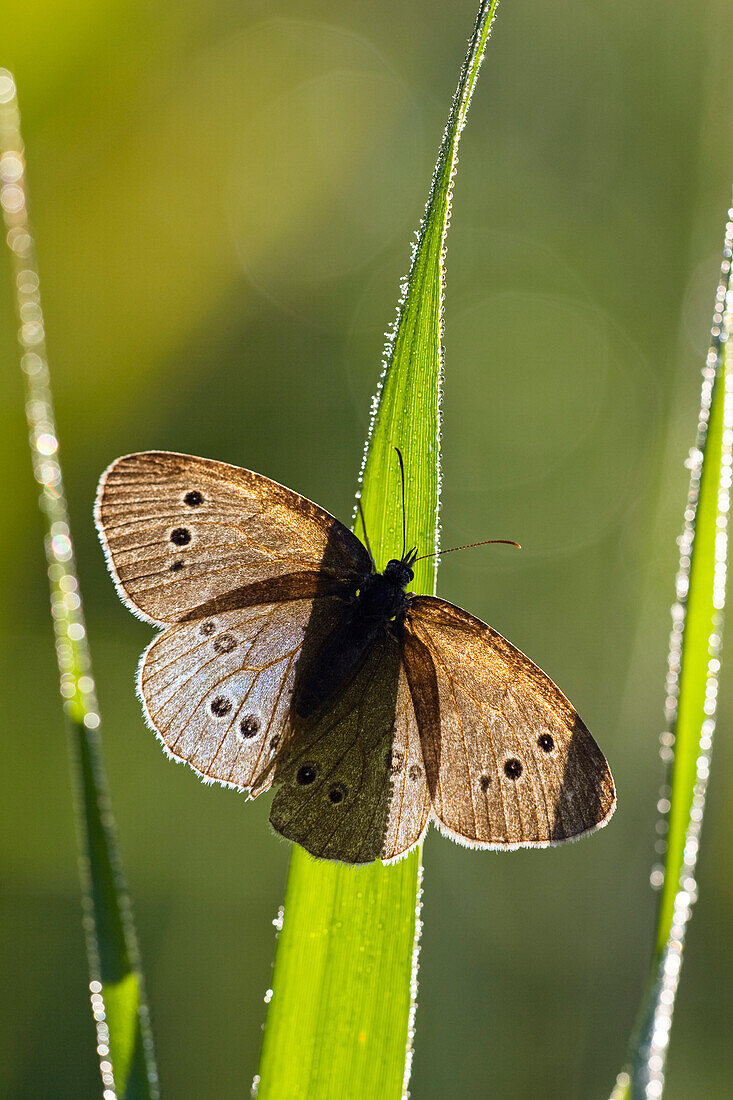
(378, 600)
(286, 659)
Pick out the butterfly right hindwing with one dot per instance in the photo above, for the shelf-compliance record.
(509, 761)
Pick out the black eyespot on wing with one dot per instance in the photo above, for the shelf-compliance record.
(394, 760)
(180, 536)
(193, 498)
(545, 742)
(415, 772)
(484, 782)
(307, 773)
(513, 768)
(249, 725)
(225, 643)
(176, 566)
(208, 627)
(220, 706)
(337, 794)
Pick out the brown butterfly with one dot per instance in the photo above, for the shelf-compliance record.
(287, 659)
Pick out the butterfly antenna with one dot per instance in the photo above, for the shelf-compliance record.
(468, 546)
(404, 518)
(363, 527)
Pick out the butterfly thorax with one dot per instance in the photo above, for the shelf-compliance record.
(379, 598)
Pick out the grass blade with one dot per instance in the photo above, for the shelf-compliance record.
(340, 1016)
(694, 668)
(124, 1041)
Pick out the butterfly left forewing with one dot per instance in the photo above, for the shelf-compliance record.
(509, 761)
(180, 532)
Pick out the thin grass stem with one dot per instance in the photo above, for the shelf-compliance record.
(692, 690)
(119, 1007)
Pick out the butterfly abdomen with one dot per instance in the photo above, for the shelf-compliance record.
(377, 602)
(343, 653)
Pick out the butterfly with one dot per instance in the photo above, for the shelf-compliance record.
(287, 659)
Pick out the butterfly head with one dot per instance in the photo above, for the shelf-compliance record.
(399, 571)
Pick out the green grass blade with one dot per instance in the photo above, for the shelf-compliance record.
(124, 1041)
(407, 407)
(694, 668)
(340, 1017)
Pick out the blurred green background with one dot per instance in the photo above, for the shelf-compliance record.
(223, 196)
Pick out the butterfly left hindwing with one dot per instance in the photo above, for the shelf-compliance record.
(218, 690)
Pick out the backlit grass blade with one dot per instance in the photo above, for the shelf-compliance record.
(124, 1041)
(341, 1009)
(692, 688)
